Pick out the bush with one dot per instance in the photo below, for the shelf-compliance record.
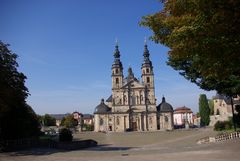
(223, 125)
(88, 127)
(65, 135)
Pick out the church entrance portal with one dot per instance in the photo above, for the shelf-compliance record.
(134, 126)
(110, 128)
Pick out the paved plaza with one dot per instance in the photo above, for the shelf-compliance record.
(178, 145)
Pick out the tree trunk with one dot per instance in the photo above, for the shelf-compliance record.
(233, 118)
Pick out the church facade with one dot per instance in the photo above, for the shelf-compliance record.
(132, 104)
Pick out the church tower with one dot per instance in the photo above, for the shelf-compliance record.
(117, 70)
(147, 69)
(148, 75)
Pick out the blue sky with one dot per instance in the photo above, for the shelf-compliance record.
(66, 47)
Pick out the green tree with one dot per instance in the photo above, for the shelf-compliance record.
(49, 120)
(88, 127)
(17, 118)
(211, 106)
(69, 121)
(65, 135)
(204, 41)
(204, 110)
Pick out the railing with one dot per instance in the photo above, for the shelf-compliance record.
(222, 137)
(229, 136)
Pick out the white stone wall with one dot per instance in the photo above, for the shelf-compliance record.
(222, 112)
(179, 118)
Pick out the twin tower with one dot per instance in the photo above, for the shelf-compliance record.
(132, 104)
(117, 70)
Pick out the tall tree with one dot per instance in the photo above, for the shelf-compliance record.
(49, 120)
(211, 106)
(204, 41)
(204, 110)
(17, 118)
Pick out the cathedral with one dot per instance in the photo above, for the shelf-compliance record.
(132, 104)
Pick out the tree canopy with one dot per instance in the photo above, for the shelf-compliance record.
(204, 41)
(69, 121)
(211, 106)
(48, 120)
(17, 118)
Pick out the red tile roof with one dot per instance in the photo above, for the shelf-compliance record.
(183, 110)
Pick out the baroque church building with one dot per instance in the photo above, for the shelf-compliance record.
(132, 105)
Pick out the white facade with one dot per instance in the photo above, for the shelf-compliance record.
(183, 115)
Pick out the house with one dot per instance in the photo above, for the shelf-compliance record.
(87, 119)
(58, 118)
(182, 115)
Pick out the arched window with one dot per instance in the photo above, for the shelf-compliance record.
(148, 80)
(116, 71)
(101, 121)
(147, 70)
(117, 81)
(166, 119)
(118, 121)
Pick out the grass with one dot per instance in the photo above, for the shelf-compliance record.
(48, 137)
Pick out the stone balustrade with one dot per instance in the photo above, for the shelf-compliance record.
(222, 137)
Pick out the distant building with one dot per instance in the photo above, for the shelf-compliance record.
(59, 118)
(76, 115)
(87, 119)
(164, 116)
(183, 115)
(196, 120)
(222, 108)
(132, 105)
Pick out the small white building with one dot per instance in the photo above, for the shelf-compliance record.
(182, 115)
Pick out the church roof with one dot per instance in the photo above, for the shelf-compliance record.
(130, 79)
(109, 99)
(219, 96)
(117, 63)
(102, 108)
(87, 116)
(164, 106)
(146, 62)
(183, 110)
